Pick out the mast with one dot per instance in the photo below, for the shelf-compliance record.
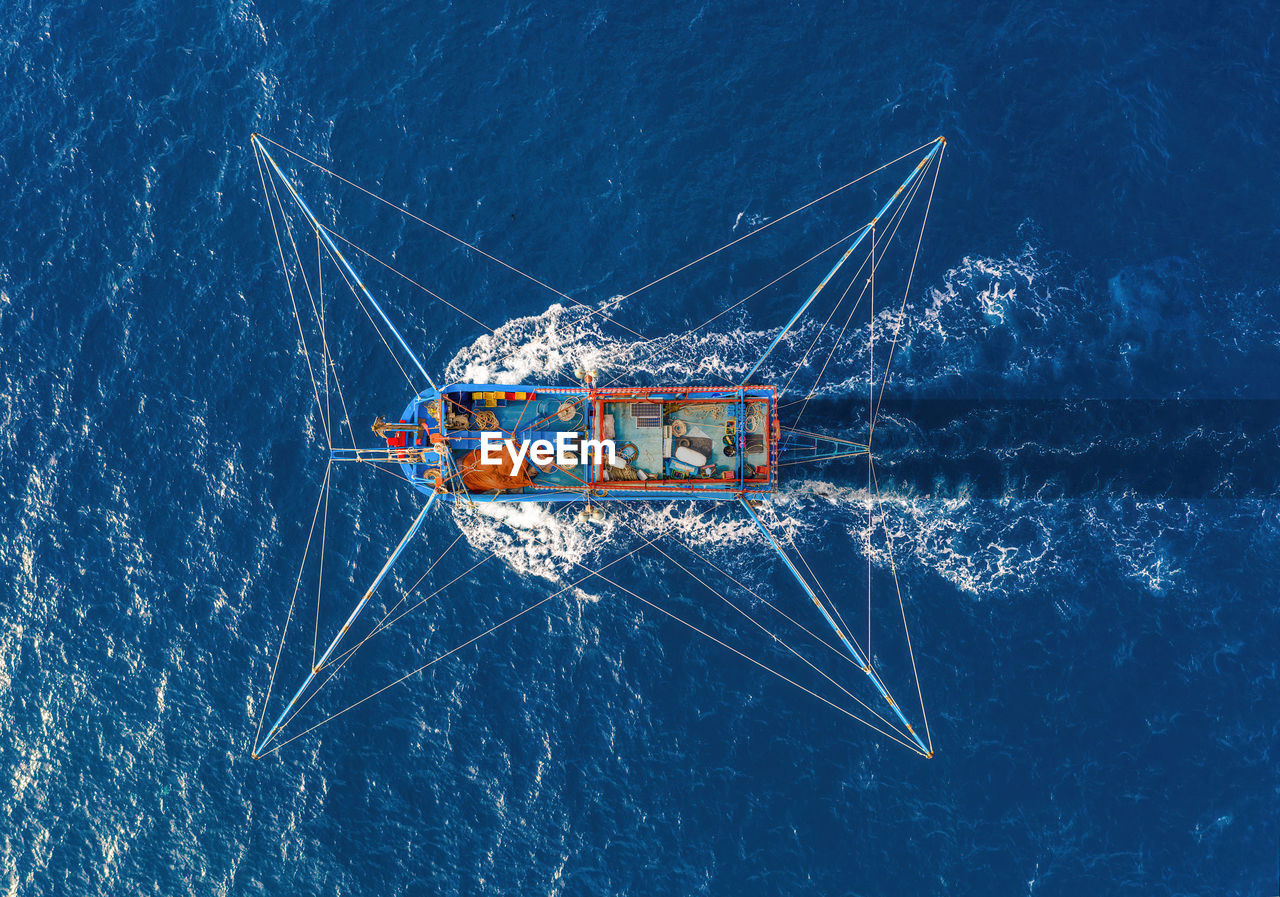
(333, 646)
(341, 259)
(915, 173)
(803, 447)
(858, 658)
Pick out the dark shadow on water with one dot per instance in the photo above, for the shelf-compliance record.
(1050, 449)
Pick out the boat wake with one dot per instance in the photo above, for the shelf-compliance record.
(564, 338)
(1010, 326)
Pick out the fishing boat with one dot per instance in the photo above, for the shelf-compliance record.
(592, 443)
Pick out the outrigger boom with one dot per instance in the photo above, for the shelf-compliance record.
(676, 443)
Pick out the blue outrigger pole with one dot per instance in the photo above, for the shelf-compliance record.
(915, 173)
(803, 447)
(333, 646)
(861, 661)
(849, 449)
(323, 233)
(341, 259)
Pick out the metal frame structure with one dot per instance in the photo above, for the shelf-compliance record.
(426, 459)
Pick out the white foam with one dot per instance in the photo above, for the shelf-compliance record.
(552, 344)
(980, 546)
(533, 539)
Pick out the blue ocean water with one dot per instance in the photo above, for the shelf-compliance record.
(1094, 617)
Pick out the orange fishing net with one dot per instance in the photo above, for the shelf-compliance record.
(477, 477)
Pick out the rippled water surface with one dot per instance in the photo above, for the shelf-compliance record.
(1078, 450)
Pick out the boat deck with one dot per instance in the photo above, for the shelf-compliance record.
(670, 443)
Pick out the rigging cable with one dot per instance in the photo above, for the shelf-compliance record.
(442, 231)
(817, 582)
(446, 654)
(673, 340)
(306, 282)
(324, 533)
(331, 365)
(902, 607)
(895, 222)
(774, 636)
(875, 261)
(289, 283)
(769, 669)
(871, 385)
(843, 655)
(895, 219)
(385, 623)
(266, 700)
(404, 276)
(902, 310)
(835, 308)
(363, 308)
(324, 341)
(604, 307)
(767, 225)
